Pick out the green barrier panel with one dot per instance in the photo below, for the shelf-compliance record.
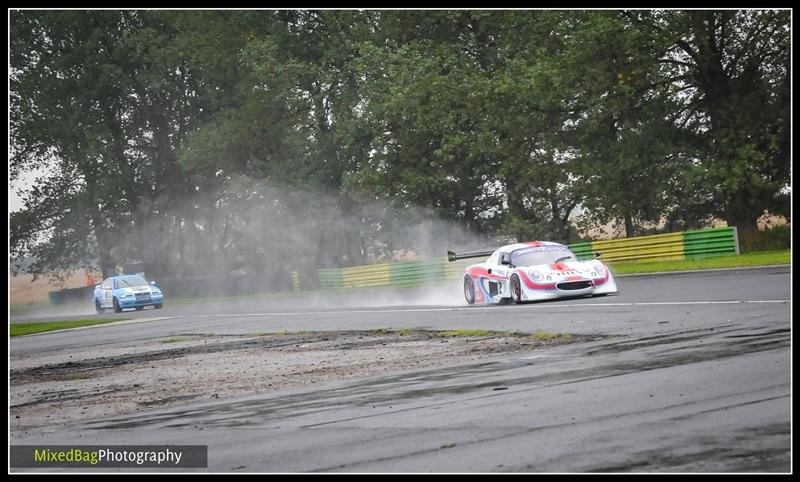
(708, 243)
(582, 250)
(414, 272)
(695, 244)
(330, 278)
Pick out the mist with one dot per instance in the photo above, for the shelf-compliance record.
(248, 236)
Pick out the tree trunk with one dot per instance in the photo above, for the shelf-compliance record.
(107, 264)
(630, 230)
(181, 246)
(746, 221)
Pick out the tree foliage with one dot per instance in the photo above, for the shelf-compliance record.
(233, 140)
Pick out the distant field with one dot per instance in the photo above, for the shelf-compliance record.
(25, 291)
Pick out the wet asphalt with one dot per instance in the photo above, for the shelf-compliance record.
(694, 376)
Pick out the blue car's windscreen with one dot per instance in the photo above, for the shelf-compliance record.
(543, 255)
(131, 282)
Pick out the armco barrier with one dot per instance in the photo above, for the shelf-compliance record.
(704, 243)
(363, 276)
(644, 248)
(711, 242)
(330, 278)
(71, 295)
(582, 250)
(455, 269)
(414, 272)
(660, 247)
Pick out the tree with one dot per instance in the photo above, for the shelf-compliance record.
(186, 140)
(100, 101)
(66, 114)
(426, 81)
(730, 72)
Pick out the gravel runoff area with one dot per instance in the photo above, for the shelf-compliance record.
(68, 386)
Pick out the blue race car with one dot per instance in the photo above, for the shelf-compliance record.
(127, 291)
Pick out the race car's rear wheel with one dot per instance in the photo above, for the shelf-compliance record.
(158, 306)
(469, 290)
(516, 289)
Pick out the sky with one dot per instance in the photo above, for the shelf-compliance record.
(24, 182)
(14, 201)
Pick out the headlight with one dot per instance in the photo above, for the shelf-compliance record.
(598, 266)
(127, 294)
(536, 275)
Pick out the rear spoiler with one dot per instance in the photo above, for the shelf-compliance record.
(451, 256)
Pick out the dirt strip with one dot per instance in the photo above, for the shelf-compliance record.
(117, 380)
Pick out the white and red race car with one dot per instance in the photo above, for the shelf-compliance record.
(533, 271)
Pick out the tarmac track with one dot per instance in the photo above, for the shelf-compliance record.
(695, 376)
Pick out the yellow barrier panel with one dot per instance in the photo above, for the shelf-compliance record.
(371, 275)
(295, 281)
(456, 269)
(671, 246)
(657, 247)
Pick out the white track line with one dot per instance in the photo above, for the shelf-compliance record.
(411, 310)
(543, 305)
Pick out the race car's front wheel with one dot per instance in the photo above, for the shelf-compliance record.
(97, 306)
(516, 289)
(469, 290)
(117, 308)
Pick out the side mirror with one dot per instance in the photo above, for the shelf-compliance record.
(96, 286)
(597, 254)
(505, 259)
(153, 283)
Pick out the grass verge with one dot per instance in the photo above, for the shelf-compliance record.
(547, 336)
(19, 329)
(762, 258)
(467, 333)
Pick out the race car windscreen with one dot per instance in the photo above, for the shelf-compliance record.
(540, 255)
(131, 282)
